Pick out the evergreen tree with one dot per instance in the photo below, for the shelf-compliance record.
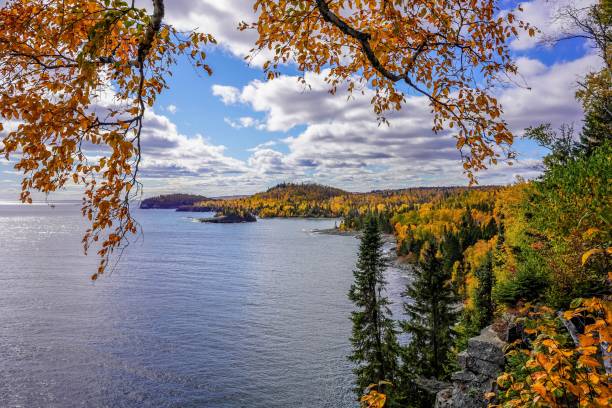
(490, 230)
(482, 298)
(430, 317)
(451, 251)
(469, 232)
(597, 118)
(374, 338)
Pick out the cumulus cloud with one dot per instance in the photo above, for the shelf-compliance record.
(244, 122)
(168, 153)
(549, 94)
(228, 94)
(172, 108)
(342, 143)
(545, 15)
(219, 18)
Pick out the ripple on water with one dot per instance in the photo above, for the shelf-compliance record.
(241, 315)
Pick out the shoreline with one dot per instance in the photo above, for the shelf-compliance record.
(389, 245)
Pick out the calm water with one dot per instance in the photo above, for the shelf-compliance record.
(196, 315)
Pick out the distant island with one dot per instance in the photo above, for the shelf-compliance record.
(229, 218)
(171, 201)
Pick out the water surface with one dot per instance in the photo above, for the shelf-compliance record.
(195, 315)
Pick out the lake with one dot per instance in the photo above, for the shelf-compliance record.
(194, 315)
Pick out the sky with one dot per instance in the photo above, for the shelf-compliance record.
(237, 133)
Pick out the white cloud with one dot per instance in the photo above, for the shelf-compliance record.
(172, 109)
(228, 94)
(342, 143)
(544, 15)
(244, 122)
(168, 153)
(219, 18)
(550, 96)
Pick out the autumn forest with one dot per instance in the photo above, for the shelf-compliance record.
(506, 281)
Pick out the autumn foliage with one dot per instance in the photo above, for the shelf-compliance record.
(552, 370)
(438, 49)
(77, 77)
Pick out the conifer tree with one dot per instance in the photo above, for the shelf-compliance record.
(430, 317)
(451, 250)
(374, 338)
(469, 231)
(482, 298)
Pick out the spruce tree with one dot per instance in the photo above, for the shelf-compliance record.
(430, 317)
(374, 337)
(451, 251)
(469, 232)
(483, 301)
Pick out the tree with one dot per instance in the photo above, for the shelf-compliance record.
(469, 232)
(483, 301)
(593, 23)
(561, 145)
(431, 48)
(430, 317)
(595, 93)
(77, 76)
(375, 347)
(60, 59)
(451, 250)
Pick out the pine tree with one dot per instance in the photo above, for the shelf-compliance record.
(469, 232)
(482, 298)
(451, 251)
(374, 338)
(430, 317)
(597, 127)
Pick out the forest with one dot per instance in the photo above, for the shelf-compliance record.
(529, 260)
(536, 252)
(167, 201)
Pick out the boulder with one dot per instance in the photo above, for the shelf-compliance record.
(480, 364)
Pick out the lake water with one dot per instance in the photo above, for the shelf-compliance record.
(195, 315)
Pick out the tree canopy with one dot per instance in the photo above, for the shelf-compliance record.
(451, 52)
(78, 76)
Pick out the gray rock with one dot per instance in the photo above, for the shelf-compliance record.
(480, 365)
(444, 398)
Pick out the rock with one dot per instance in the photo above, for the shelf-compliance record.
(444, 398)
(230, 219)
(480, 364)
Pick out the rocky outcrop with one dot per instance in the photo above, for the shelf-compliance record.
(480, 363)
(229, 219)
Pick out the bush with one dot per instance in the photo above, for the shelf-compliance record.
(528, 284)
(569, 216)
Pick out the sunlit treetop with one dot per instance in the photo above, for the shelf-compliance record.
(76, 77)
(450, 51)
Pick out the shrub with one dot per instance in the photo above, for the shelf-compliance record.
(528, 284)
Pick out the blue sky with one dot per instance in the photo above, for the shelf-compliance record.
(235, 133)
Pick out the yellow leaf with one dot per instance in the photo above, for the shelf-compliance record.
(589, 253)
